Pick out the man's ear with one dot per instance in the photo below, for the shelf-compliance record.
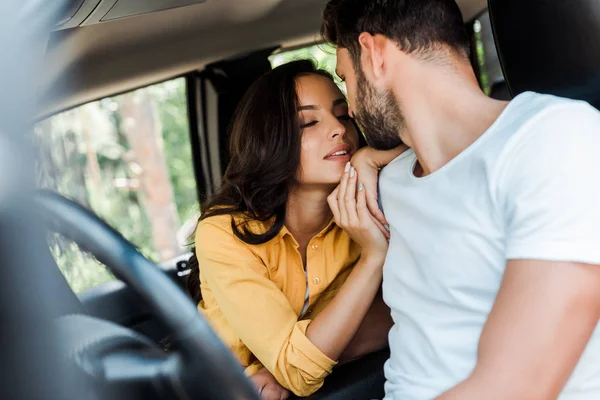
(372, 50)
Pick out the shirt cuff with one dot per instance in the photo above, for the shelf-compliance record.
(322, 365)
(253, 368)
(555, 251)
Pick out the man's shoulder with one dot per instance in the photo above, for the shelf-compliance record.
(533, 124)
(399, 165)
(556, 143)
(530, 111)
(550, 122)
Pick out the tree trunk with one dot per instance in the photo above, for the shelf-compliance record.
(144, 134)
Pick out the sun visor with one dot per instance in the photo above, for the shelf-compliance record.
(88, 12)
(549, 46)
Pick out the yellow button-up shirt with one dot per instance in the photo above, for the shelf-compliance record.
(253, 296)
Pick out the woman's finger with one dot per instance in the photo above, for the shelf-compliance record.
(350, 198)
(383, 230)
(363, 211)
(332, 199)
(373, 205)
(272, 392)
(369, 176)
(341, 194)
(361, 203)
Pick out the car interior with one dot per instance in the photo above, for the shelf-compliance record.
(140, 334)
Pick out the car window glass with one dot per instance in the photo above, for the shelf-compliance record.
(322, 54)
(490, 72)
(127, 158)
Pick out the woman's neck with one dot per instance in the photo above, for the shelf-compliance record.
(307, 212)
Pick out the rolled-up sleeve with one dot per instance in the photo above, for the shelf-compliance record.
(258, 311)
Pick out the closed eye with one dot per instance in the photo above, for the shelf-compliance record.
(308, 125)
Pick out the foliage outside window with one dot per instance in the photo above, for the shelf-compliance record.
(324, 56)
(127, 158)
(490, 72)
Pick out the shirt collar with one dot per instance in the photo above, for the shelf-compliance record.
(285, 232)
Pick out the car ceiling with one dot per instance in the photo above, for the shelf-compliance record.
(93, 61)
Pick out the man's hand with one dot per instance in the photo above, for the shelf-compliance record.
(541, 322)
(268, 387)
(367, 162)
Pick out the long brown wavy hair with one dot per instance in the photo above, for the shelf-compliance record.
(264, 158)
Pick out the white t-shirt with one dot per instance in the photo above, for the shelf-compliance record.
(528, 188)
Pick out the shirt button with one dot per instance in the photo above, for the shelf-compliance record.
(316, 280)
(315, 246)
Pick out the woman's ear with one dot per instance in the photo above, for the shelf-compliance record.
(372, 51)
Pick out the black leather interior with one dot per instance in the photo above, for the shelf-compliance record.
(100, 349)
(200, 363)
(499, 91)
(116, 302)
(549, 46)
(361, 379)
(67, 302)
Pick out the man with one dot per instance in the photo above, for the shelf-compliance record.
(492, 273)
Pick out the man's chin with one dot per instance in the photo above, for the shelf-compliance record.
(379, 138)
(387, 147)
(384, 143)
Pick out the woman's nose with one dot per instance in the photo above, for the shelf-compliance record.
(338, 129)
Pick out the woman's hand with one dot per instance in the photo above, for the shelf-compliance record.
(367, 162)
(348, 202)
(268, 387)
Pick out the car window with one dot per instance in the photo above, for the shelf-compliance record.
(127, 158)
(323, 55)
(490, 73)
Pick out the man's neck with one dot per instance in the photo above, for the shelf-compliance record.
(307, 211)
(446, 116)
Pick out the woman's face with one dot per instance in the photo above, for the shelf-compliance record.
(329, 138)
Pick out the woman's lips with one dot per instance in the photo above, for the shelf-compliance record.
(339, 158)
(340, 153)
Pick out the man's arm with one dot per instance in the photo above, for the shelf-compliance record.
(543, 317)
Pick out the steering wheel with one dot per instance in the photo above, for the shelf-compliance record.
(118, 358)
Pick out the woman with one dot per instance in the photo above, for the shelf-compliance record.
(289, 270)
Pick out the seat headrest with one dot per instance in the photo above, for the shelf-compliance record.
(549, 46)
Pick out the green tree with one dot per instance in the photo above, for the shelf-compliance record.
(323, 55)
(85, 154)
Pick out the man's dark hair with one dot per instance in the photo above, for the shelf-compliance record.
(417, 26)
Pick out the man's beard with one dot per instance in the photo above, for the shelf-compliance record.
(378, 115)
